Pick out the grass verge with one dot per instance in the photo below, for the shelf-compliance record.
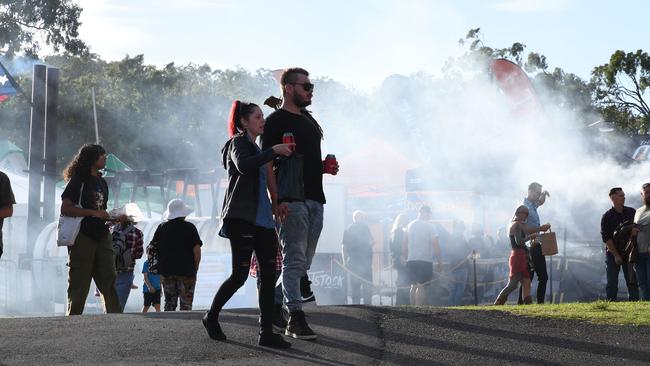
(604, 312)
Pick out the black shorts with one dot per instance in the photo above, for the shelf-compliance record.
(152, 299)
(419, 272)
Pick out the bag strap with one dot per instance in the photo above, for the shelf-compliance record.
(81, 193)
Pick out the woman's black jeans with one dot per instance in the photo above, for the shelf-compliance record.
(246, 238)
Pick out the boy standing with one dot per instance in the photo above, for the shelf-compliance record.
(150, 289)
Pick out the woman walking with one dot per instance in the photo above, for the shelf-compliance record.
(248, 219)
(91, 256)
(519, 234)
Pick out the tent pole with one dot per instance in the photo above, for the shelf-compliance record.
(95, 117)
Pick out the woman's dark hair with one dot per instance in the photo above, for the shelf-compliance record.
(238, 111)
(82, 162)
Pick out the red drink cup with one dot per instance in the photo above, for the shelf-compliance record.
(287, 138)
(330, 164)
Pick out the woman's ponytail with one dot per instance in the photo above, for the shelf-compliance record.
(234, 120)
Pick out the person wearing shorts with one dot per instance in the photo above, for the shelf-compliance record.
(150, 289)
(420, 272)
(418, 252)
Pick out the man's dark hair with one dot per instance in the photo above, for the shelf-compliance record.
(291, 75)
(645, 185)
(534, 185)
(615, 190)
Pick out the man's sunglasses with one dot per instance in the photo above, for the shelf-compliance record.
(307, 86)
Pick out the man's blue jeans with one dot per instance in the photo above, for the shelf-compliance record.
(612, 280)
(642, 269)
(123, 285)
(299, 235)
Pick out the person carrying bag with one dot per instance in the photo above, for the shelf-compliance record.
(90, 257)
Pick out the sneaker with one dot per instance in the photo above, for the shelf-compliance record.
(306, 294)
(213, 328)
(298, 327)
(279, 318)
(272, 340)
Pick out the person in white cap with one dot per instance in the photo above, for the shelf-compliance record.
(179, 254)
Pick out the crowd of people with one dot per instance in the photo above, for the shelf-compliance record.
(423, 251)
(626, 234)
(273, 209)
(272, 215)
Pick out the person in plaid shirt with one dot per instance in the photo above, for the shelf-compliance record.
(133, 238)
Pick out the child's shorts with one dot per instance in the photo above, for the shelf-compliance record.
(152, 299)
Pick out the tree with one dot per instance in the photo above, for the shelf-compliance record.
(23, 22)
(621, 86)
(556, 88)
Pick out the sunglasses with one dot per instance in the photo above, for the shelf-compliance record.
(307, 86)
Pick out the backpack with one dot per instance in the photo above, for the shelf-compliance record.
(626, 243)
(152, 257)
(123, 252)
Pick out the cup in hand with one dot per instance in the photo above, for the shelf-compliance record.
(287, 138)
(330, 164)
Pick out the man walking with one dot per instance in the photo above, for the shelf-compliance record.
(614, 256)
(302, 225)
(536, 197)
(7, 202)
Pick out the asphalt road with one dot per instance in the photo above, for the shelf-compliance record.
(348, 335)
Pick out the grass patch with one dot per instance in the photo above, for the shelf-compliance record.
(603, 312)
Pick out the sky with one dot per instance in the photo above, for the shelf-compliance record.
(359, 42)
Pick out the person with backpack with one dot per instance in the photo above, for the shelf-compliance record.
(615, 260)
(128, 246)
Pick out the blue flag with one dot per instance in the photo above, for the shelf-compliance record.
(7, 88)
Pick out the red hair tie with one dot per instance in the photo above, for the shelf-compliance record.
(232, 118)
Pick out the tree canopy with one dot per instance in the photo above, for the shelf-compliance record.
(26, 24)
(174, 116)
(621, 90)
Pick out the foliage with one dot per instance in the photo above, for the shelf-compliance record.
(621, 90)
(151, 117)
(24, 22)
(557, 89)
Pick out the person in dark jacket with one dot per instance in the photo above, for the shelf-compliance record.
(615, 260)
(247, 216)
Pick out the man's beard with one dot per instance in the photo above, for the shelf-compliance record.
(302, 103)
(647, 201)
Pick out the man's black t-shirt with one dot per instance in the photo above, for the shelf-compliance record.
(95, 197)
(175, 240)
(307, 137)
